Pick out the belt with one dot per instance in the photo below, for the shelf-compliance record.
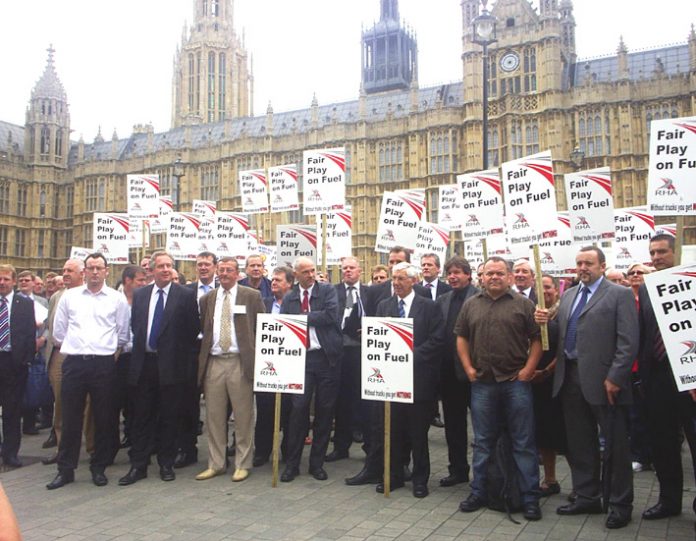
(91, 357)
(226, 355)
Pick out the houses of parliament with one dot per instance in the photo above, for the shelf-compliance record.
(396, 134)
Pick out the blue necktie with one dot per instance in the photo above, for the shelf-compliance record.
(402, 310)
(4, 325)
(156, 321)
(572, 330)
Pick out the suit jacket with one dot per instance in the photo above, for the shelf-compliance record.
(649, 331)
(244, 329)
(607, 341)
(22, 333)
(268, 303)
(443, 302)
(440, 288)
(52, 305)
(428, 339)
(178, 332)
(377, 293)
(323, 316)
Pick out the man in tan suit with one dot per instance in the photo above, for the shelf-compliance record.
(226, 368)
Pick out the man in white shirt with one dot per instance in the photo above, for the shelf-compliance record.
(430, 270)
(523, 276)
(90, 325)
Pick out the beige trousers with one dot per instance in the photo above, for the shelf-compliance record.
(225, 384)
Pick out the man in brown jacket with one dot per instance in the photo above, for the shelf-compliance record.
(226, 368)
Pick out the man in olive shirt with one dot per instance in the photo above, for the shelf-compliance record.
(499, 347)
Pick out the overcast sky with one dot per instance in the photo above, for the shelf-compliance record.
(114, 58)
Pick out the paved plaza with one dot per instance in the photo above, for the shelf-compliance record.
(218, 509)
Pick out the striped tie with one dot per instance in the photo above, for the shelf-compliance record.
(4, 325)
(402, 308)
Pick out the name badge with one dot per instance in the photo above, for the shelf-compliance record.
(239, 309)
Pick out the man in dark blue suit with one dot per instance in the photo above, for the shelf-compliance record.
(165, 324)
(322, 368)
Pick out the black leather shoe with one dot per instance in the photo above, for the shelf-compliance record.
(50, 441)
(319, 474)
(616, 521)
(437, 422)
(531, 511)
(660, 510)
(185, 459)
(420, 491)
(289, 475)
(259, 461)
(167, 473)
(578, 508)
(453, 479)
(134, 475)
(12, 462)
(99, 479)
(362, 478)
(392, 487)
(472, 503)
(62, 479)
(335, 455)
(50, 459)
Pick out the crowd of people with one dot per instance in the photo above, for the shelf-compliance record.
(128, 365)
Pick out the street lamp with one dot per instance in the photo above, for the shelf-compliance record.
(177, 173)
(484, 35)
(577, 155)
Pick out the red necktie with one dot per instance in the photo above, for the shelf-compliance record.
(305, 302)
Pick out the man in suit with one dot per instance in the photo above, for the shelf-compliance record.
(523, 276)
(226, 368)
(597, 344)
(255, 278)
(322, 369)
(455, 388)
(668, 411)
(165, 323)
(17, 347)
(430, 270)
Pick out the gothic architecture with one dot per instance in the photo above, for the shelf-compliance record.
(542, 94)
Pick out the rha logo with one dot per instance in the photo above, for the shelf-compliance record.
(376, 376)
(388, 236)
(521, 222)
(582, 223)
(548, 258)
(316, 196)
(269, 369)
(624, 254)
(473, 220)
(667, 187)
(689, 356)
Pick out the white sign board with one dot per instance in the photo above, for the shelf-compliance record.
(143, 196)
(339, 236)
(204, 208)
(482, 204)
(590, 205)
(323, 180)
(281, 348)
(386, 372)
(634, 229)
(110, 236)
(283, 185)
(268, 254)
(135, 234)
(671, 178)
(557, 255)
(399, 218)
(182, 237)
(231, 238)
(450, 207)
(206, 234)
(432, 239)
(294, 241)
(77, 252)
(161, 224)
(253, 188)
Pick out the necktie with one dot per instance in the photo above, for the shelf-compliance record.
(4, 325)
(521, 291)
(226, 323)
(429, 286)
(572, 330)
(402, 309)
(156, 321)
(350, 301)
(305, 302)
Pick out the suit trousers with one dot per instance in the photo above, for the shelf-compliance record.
(350, 409)
(12, 385)
(155, 414)
(410, 423)
(189, 418)
(323, 379)
(55, 377)
(456, 396)
(95, 376)
(583, 445)
(224, 384)
(265, 419)
(669, 411)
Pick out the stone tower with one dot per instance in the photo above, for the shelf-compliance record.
(212, 78)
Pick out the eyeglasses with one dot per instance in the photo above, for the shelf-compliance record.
(636, 273)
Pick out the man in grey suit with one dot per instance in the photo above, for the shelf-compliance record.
(597, 344)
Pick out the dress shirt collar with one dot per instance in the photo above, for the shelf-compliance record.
(309, 290)
(165, 289)
(232, 290)
(592, 287)
(206, 287)
(408, 301)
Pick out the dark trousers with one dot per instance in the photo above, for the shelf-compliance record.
(669, 411)
(638, 415)
(583, 445)
(190, 407)
(456, 396)
(351, 411)
(155, 415)
(322, 380)
(122, 396)
(263, 432)
(12, 385)
(83, 375)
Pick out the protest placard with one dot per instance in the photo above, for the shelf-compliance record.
(432, 239)
(253, 189)
(281, 348)
(294, 241)
(482, 204)
(136, 238)
(143, 196)
(110, 236)
(634, 229)
(283, 188)
(450, 207)
(590, 205)
(182, 237)
(323, 180)
(400, 215)
(161, 224)
(203, 207)
(557, 255)
(77, 252)
(231, 238)
(339, 236)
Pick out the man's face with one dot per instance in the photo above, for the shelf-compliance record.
(351, 271)
(26, 284)
(615, 276)
(72, 275)
(523, 276)
(38, 286)
(205, 269)
(589, 268)
(379, 277)
(228, 272)
(7, 283)
(550, 291)
(96, 272)
(280, 285)
(661, 255)
(58, 283)
(429, 269)
(457, 278)
(162, 271)
(396, 257)
(254, 268)
(305, 274)
(131, 284)
(175, 276)
(145, 265)
(403, 284)
(496, 278)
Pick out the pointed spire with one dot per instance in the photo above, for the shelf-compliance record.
(269, 109)
(692, 34)
(99, 138)
(622, 46)
(49, 86)
(315, 102)
(114, 136)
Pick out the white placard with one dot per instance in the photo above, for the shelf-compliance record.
(143, 196)
(110, 236)
(182, 238)
(432, 239)
(135, 234)
(339, 243)
(590, 205)
(206, 234)
(400, 215)
(281, 349)
(161, 224)
(323, 180)
(253, 188)
(77, 252)
(473, 253)
(673, 297)
(666, 229)
(634, 229)
(671, 178)
(386, 372)
(557, 255)
(294, 241)
(231, 237)
(203, 207)
(450, 207)
(482, 204)
(530, 199)
(268, 255)
(283, 187)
